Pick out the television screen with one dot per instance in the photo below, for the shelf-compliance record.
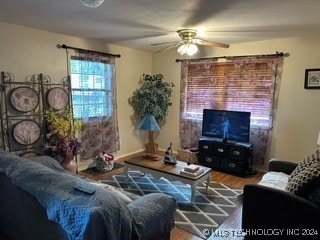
(226, 125)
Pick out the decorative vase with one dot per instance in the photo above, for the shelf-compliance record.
(104, 162)
(69, 164)
(109, 165)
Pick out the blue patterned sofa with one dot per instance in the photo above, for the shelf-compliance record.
(38, 200)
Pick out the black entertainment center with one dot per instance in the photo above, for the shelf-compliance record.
(225, 143)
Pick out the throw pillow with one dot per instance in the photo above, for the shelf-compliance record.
(302, 165)
(305, 176)
(305, 163)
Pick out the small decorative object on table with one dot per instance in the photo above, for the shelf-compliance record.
(104, 162)
(192, 170)
(169, 157)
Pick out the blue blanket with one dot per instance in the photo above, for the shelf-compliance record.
(78, 213)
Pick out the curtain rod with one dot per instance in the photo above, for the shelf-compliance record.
(64, 46)
(279, 54)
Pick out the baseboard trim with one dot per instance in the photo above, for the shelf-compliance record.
(129, 155)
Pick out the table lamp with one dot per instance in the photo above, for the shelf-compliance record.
(150, 124)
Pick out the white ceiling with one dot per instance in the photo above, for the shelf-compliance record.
(140, 23)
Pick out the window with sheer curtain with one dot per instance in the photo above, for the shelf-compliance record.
(93, 88)
(238, 84)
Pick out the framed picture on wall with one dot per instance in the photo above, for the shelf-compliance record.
(312, 78)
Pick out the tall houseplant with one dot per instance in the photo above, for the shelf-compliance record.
(152, 98)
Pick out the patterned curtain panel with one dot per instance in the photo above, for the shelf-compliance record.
(196, 78)
(93, 84)
(100, 134)
(238, 84)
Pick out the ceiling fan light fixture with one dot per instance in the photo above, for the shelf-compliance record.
(182, 49)
(92, 3)
(188, 48)
(189, 44)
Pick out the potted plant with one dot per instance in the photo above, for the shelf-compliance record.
(152, 98)
(61, 141)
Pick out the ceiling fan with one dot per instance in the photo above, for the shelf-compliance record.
(189, 43)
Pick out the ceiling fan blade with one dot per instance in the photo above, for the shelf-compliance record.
(167, 48)
(210, 43)
(164, 43)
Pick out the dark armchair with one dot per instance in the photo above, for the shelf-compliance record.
(266, 208)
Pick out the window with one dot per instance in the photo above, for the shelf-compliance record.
(91, 86)
(201, 88)
(231, 85)
(93, 89)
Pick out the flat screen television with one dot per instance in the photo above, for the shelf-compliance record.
(226, 125)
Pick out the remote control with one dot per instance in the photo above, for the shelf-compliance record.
(84, 188)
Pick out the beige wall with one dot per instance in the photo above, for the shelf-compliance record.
(26, 51)
(298, 116)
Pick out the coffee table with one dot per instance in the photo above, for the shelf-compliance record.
(160, 169)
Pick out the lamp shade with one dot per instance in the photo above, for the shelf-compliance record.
(149, 123)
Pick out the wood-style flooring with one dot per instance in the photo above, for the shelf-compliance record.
(234, 220)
